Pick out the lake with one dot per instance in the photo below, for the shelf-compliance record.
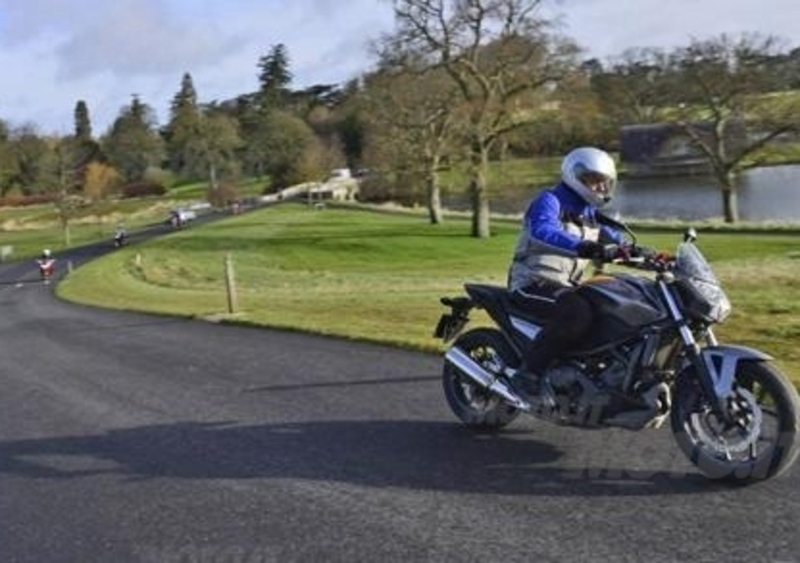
(765, 194)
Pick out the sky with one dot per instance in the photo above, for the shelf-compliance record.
(56, 52)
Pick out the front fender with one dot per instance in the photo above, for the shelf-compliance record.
(721, 362)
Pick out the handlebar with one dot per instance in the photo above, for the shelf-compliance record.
(659, 262)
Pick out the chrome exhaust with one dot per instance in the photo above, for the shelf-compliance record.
(469, 367)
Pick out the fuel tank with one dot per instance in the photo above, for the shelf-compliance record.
(623, 305)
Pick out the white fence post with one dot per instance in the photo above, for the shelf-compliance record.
(230, 284)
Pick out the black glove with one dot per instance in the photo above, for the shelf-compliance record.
(642, 252)
(604, 253)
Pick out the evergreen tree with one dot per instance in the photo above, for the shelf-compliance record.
(254, 129)
(183, 129)
(8, 162)
(27, 169)
(133, 144)
(274, 77)
(214, 154)
(82, 147)
(255, 111)
(83, 126)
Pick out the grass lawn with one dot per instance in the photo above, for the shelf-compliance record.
(378, 276)
(29, 229)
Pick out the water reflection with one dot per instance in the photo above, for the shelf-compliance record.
(765, 194)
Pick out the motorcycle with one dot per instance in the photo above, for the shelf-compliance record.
(47, 268)
(653, 355)
(120, 239)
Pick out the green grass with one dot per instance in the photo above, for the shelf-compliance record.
(30, 229)
(27, 230)
(506, 174)
(340, 272)
(541, 172)
(378, 276)
(375, 276)
(197, 190)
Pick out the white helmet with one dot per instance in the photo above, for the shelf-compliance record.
(46, 253)
(589, 160)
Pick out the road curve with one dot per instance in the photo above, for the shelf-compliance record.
(127, 437)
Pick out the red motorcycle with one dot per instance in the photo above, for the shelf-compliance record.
(47, 267)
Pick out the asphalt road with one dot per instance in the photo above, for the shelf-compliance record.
(128, 437)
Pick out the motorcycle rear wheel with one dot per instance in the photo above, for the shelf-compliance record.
(763, 441)
(475, 406)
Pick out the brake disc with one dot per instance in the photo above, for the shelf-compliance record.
(736, 439)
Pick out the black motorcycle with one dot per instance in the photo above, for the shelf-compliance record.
(120, 239)
(652, 355)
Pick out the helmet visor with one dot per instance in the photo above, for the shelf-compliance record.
(598, 183)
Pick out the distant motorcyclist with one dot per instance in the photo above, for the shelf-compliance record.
(560, 238)
(120, 236)
(46, 257)
(46, 264)
(175, 219)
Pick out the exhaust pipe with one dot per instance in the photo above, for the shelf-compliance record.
(469, 367)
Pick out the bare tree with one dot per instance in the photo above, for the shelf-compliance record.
(632, 89)
(414, 113)
(727, 107)
(498, 52)
(63, 173)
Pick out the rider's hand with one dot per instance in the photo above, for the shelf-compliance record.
(662, 259)
(643, 252)
(657, 258)
(604, 253)
(590, 249)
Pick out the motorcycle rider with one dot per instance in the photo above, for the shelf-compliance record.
(45, 258)
(120, 236)
(46, 263)
(560, 238)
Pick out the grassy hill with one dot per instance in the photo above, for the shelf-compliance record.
(377, 276)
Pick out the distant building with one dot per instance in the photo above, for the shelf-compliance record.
(665, 149)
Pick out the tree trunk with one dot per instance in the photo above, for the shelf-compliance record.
(480, 201)
(433, 194)
(434, 201)
(730, 205)
(212, 176)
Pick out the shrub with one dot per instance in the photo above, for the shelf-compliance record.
(222, 196)
(23, 200)
(155, 175)
(100, 180)
(142, 189)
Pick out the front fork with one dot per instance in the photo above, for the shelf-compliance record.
(714, 364)
(715, 367)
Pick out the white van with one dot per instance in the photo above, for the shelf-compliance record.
(181, 216)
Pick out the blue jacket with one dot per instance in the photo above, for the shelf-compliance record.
(555, 223)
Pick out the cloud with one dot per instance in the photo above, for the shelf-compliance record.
(127, 38)
(609, 27)
(56, 52)
(149, 42)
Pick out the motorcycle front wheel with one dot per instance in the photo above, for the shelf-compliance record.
(474, 405)
(759, 441)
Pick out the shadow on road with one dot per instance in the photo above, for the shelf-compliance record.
(408, 454)
(276, 388)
